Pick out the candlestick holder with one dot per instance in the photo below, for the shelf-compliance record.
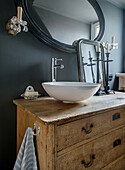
(109, 47)
(98, 76)
(100, 91)
(91, 65)
(107, 61)
(84, 64)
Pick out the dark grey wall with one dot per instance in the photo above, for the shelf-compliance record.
(123, 45)
(24, 61)
(114, 27)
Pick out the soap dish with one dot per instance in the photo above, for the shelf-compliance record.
(30, 93)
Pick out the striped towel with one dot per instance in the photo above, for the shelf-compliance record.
(26, 159)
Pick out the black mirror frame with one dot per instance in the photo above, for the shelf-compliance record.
(42, 36)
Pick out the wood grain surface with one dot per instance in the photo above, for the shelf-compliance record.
(103, 149)
(118, 164)
(50, 110)
(76, 131)
(71, 133)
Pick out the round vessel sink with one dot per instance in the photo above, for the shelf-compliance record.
(70, 91)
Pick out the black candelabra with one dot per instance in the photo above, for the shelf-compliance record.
(108, 47)
(98, 75)
(107, 61)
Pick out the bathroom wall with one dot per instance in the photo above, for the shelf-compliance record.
(114, 27)
(24, 61)
(123, 45)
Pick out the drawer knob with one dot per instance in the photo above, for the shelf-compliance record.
(88, 131)
(87, 165)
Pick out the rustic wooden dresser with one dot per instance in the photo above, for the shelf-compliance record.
(86, 135)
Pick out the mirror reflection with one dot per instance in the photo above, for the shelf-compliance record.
(89, 62)
(67, 20)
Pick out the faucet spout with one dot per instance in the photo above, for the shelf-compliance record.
(55, 66)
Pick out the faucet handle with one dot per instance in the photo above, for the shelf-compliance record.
(58, 59)
(61, 66)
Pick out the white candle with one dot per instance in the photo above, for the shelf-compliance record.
(113, 39)
(19, 13)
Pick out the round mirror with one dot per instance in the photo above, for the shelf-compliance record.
(60, 23)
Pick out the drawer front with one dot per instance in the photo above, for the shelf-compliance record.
(96, 154)
(71, 133)
(118, 164)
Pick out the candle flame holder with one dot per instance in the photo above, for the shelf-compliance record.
(15, 23)
(109, 47)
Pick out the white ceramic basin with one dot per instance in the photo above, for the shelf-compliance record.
(70, 91)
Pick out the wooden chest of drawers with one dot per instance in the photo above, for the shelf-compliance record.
(88, 135)
(95, 154)
(83, 129)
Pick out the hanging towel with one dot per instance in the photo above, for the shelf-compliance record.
(26, 159)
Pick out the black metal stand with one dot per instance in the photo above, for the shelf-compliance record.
(91, 65)
(98, 54)
(97, 81)
(84, 75)
(107, 87)
(99, 91)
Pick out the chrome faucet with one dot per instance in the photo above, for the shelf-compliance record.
(55, 66)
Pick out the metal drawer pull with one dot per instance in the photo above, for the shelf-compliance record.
(87, 165)
(116, 116)
(88, 131)
(117, 142)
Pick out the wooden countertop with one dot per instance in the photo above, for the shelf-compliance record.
(50, 110)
